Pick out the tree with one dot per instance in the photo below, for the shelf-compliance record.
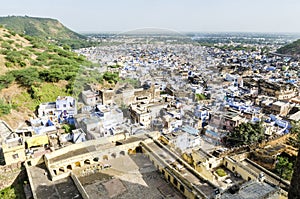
(246, 133)
(284, 168)
(8, 193)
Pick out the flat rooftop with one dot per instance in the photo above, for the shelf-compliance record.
(80, 151)
(45, 188)
(206, 188)
(253, 189)
(130, 176)
(5, 130)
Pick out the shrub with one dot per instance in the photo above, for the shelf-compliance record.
(8, 64)
(68, 128)
(221, 172)
(4, 108)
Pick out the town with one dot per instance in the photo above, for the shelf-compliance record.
(171, 118)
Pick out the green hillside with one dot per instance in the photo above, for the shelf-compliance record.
(41, 27)
(33, 70)
(291, 49)
(45, 28)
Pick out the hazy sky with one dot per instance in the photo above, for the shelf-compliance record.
(180, 15)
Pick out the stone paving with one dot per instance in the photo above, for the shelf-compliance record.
(131, 177)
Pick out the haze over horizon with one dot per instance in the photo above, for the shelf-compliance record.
(183, 16)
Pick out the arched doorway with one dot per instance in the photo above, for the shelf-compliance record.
(96, 159)
(139, 149)
(87, 161)
(77, 164)
(69, 167)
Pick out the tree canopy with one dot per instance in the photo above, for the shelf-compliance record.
(246, 133)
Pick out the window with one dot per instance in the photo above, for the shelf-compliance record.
(175, 182)
(65, 105)
(182, 188)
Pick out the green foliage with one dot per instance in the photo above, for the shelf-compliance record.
(284, 168)
(66, 47)
(27, 77)
(47, 29)
(41, 27)
(296, 129)
(46, 92)
(7, 35)
(16, 57)
(4, 108)
(10, 41)
(221, 172)
(77, 43)
(8, 193)
(6, 45)
(290, 49)
(114, 66)
(6, 80)
(133, 82)
(8, 64)
(200, 97)
(68, 128)
(22, 64)
(14, 191)
(246, 133)
(111, 77)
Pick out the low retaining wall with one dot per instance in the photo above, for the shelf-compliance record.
(79, 187)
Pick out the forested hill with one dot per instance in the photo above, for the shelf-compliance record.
(41, 27)
(291, 49)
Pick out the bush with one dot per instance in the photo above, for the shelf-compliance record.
(4, 108)
(6, 80)
(26, 77)
(8, 64)
(68, 128)
(111, 77)
(8, 193)
(221, 172)
(6, 45)
(200, 97)
(22, 64)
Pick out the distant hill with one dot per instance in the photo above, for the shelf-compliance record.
(291, 49)
(41, 27)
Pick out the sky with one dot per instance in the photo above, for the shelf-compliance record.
(85, 16)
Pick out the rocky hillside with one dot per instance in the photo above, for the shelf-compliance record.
(291, 49)
(41, 27)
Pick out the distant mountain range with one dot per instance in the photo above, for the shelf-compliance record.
(291, 49)
(41, 27)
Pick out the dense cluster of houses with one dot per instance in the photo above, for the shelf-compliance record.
(185, 90)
